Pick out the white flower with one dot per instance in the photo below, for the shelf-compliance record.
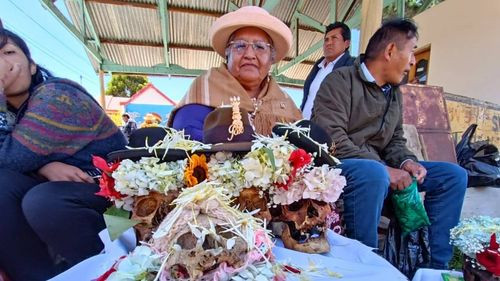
(472, 235)
(267, 164)
(227, 171)
(323, 184)
(136, 265)
(262, 271)
(146, 175)
(126, 203)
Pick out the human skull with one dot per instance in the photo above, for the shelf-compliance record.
(304, 228)
(196, 255)
(150, 210)
(250, 200)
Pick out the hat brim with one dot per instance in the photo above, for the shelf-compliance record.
(308, 144)
(222, 29)
(176, 154)
(231, 147)
(137, 154)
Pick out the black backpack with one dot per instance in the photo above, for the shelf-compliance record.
(481, 160)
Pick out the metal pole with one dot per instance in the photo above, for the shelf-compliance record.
(101, 82)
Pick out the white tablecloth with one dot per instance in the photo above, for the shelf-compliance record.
(426, 274)
(349, 258)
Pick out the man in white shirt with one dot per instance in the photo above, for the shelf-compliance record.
(335, 55)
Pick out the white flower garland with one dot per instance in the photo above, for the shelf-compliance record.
(472, 235)
(228, 171)
(267, 164)
(146, 175)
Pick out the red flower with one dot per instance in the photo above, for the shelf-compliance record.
(490, 257)
(107, 182)
(299, 158)
(106, 274)
(291, 269)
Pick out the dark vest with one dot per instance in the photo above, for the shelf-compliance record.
(345, 60)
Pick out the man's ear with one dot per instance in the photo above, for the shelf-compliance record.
(347, 43)
(389, 50)
(33, 68)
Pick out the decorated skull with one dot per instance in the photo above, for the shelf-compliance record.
(204, 237)
(304, 225)
(250, 200)
(202, 248)
(150, 210)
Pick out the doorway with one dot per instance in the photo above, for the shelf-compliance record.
(419, 72)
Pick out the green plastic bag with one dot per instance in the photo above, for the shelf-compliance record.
(409, 209)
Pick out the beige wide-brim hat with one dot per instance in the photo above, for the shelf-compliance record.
(251, 16)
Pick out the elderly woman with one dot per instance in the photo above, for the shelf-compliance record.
(250, 40)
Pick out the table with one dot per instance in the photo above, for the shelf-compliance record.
(348, 258)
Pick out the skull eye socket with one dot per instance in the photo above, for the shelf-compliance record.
(187, 241)
(179, 272)
(146, 207)
(275, 212)
(295, 206)
(312, 212)
(221, 232)
(209, 243)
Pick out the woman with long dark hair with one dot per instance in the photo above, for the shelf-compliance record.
(49, 129)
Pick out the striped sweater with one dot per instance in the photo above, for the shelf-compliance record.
(59, 122)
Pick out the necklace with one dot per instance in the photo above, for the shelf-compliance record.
(256, 105)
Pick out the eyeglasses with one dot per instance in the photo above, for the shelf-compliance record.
(259, 47)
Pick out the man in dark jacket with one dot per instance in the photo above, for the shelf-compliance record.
(130, 125)
(360, 107)
(335, 55)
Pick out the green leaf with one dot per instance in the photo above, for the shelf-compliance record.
(117, 212)
(271, 156)
(117, 221)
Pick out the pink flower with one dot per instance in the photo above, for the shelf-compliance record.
(324, 184)
(287, 197)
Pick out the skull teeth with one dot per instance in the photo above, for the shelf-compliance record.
(314, 232)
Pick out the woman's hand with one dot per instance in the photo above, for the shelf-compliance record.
(57, 171)
(7, 73)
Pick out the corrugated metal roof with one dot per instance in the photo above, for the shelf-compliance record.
(123, 22)
(204, 5)
(134, 55)
(130, 30)
(190, 29)
(195, 59)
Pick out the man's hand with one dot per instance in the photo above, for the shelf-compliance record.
(399, 179)
(57, 171)
(415, 169)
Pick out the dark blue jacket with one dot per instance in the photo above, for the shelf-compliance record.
(345, 60)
